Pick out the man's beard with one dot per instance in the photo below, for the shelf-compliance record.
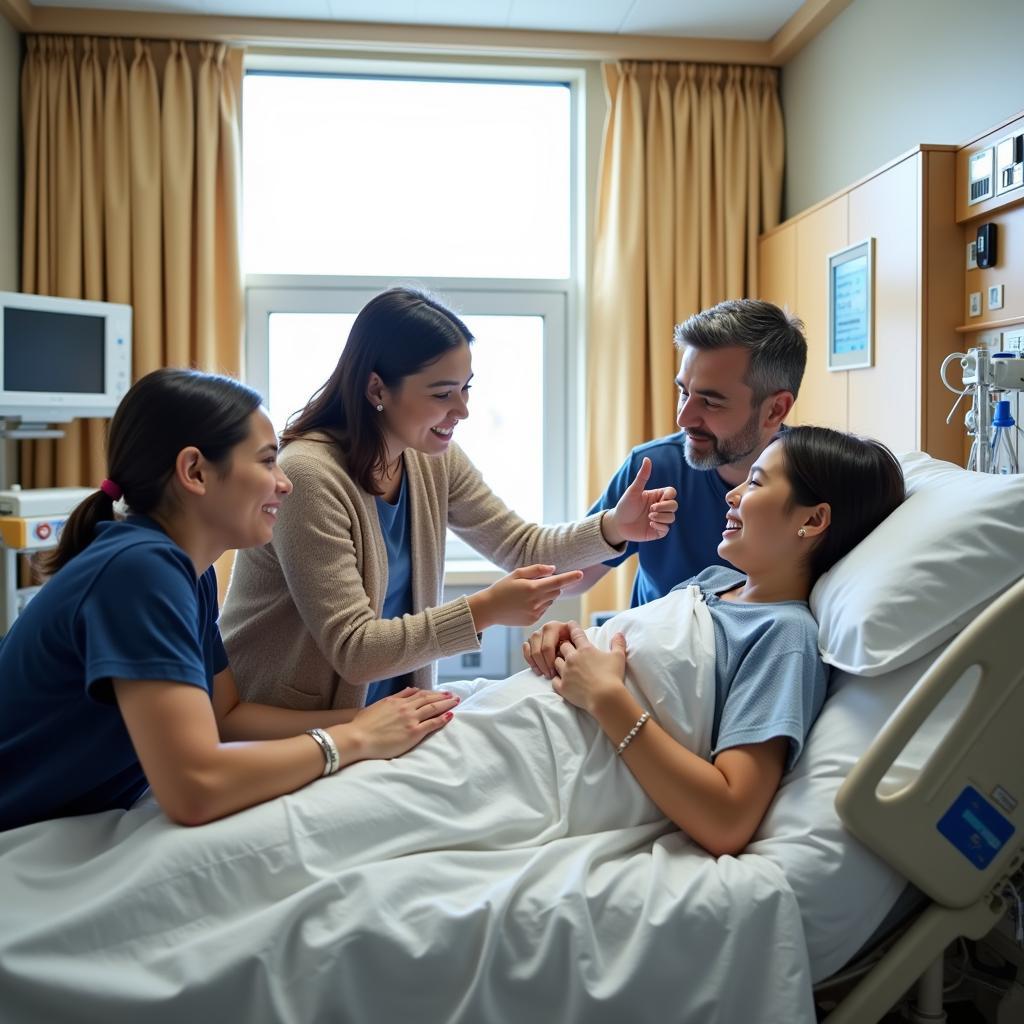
(722, 453)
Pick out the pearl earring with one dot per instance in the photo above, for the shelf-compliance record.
(380, 408)
(801, 532)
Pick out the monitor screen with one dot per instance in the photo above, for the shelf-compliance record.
(54, 352)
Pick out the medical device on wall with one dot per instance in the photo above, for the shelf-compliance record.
(62, 358)
(986, 375)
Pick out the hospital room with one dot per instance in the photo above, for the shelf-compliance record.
(511, 511)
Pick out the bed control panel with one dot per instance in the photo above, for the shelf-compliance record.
(975, 827)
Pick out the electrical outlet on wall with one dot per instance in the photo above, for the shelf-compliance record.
(974, 304)
(995, 296)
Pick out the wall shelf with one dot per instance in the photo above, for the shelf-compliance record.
(989, 325)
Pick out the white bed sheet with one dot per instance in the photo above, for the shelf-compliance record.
(843, 889)
(274, 915)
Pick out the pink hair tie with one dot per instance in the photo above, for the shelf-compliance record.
(111, 490)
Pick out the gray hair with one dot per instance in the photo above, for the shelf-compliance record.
(774, 339)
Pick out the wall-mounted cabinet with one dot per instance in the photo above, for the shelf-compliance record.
(1004, 209)
(907, 208)
(990, 171)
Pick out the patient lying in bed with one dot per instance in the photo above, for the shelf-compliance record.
(546, 802)
(520, 766)
(695, 724)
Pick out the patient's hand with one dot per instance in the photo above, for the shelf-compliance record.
(541, 649)
(584, 674)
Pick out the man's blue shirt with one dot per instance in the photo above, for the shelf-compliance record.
(692, 541)
(129, 607)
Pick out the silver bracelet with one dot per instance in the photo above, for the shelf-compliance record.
(332, 759)
(628, 738)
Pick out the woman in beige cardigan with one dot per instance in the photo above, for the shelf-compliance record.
(347, 594)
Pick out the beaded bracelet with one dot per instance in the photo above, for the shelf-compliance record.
(632, 732)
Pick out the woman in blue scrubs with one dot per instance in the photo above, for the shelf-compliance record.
(114, 678)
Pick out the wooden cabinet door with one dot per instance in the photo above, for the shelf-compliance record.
(776, 271)
(822, 400)
(885, 399)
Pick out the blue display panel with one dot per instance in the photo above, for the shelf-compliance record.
(975, 828)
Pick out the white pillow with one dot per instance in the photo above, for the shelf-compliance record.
(924, 573)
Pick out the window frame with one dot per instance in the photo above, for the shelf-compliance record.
(267, 294)
(557, 300)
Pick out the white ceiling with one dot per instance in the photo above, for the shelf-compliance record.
(755, 20)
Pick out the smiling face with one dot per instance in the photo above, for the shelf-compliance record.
(762, 524)
(243, 503)
(714, 408)
(422, 411)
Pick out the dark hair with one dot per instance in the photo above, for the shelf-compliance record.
(163, 412)
(396, 334)
(857, 476)
(774, 339)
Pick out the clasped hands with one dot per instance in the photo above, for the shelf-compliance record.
(579, 672)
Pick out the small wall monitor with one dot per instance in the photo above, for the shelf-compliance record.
(850, 307)
(62, 358)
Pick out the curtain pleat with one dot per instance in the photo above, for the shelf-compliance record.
(117, 208)
(691, 174)
(144, 153)
(90, 91)
(218, 303)
(131, 189)
(178, 152)
(661, 216)
(616, 385)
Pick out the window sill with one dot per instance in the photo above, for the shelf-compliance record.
(470, 572)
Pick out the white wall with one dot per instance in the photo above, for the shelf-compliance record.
(10, 155)
(888, 75)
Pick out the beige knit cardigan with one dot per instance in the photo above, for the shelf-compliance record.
(301, 619)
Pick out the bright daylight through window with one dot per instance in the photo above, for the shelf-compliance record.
(354, 183)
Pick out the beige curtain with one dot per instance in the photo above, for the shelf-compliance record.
(131, 194)
(691, 174)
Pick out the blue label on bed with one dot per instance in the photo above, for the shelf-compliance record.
(975, 828)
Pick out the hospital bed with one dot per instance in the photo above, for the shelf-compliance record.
(122, 916)
(952, 830)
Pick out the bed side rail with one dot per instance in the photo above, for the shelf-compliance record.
(957, 829)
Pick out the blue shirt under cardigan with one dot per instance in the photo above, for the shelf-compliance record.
(692, 541)
(394, 525)
(129, 606)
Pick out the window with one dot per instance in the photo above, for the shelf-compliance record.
(513, 419)
(463, 187)
(377, 176)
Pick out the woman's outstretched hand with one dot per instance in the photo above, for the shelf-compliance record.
(584, 674)
(640, 515)
(397, 723)
(520, 598)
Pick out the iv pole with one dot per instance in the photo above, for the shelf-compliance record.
(983, 376)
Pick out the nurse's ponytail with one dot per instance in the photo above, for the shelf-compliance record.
(161, 414)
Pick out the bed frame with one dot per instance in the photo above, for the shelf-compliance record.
(957, 830)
